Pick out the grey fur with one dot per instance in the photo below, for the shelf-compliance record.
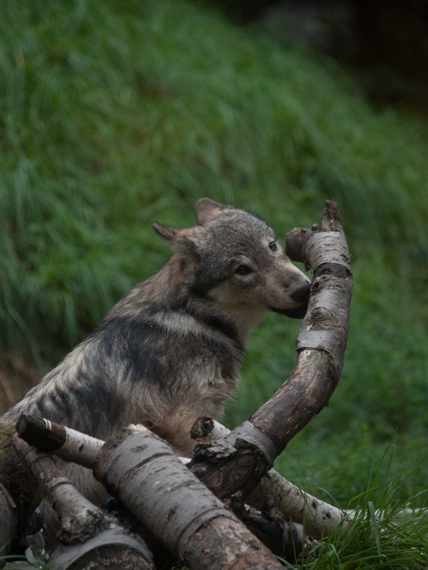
(170, 350)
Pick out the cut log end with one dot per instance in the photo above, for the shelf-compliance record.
(202, 428)
(39, 432)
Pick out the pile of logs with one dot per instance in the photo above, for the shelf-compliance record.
(225, 509)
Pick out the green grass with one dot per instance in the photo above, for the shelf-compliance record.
(115, 116)
(112, 118)
(386, 532)
(385, 539)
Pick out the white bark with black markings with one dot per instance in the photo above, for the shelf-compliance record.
(141, 470)
(89, 538)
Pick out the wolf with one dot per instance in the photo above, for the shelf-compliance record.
(170, 350)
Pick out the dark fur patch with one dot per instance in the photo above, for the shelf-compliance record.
(142, 349)
(210, 320)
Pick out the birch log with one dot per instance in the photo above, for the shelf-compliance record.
(317, 517)
(80, 519)
(240, 460)
(67, 443)
(74, 446)
(323, 336)
(141, 470)
(89, 538)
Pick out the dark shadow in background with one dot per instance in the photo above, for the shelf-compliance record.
(383, 43)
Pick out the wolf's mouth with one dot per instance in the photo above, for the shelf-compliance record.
(297, 313)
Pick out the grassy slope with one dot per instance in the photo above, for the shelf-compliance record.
(114, 116)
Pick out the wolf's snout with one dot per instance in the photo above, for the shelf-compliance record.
(301, 293)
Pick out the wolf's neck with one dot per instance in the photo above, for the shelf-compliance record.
(245, 320)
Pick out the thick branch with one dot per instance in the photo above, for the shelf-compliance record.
(318, 517)
(141, 470)
(89, 537)
(295, 504)
(55, 438)
(324, 248)
(305, 393)
(80, 519)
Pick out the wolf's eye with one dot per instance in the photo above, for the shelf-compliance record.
(243, 270)
(273, 246)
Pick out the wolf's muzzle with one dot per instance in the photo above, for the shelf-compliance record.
(301, 293)
(297, 313)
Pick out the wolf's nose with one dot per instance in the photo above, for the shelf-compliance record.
(301, 294)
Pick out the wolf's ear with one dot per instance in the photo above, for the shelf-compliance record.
(179, 240)
(207, 209)
(165, 232)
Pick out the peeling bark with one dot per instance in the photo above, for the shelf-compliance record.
(112, 548)
(89, 537)
(295, 504)
(72, 445)
(141, 470)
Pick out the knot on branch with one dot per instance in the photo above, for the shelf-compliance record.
(321, 318)
(215, 451)
(76, 528)
(226, 467)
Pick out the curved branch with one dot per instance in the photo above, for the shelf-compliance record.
(239, 461)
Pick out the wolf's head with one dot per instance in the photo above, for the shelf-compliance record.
(234, 260)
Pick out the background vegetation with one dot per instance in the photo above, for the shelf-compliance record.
(115, 115)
